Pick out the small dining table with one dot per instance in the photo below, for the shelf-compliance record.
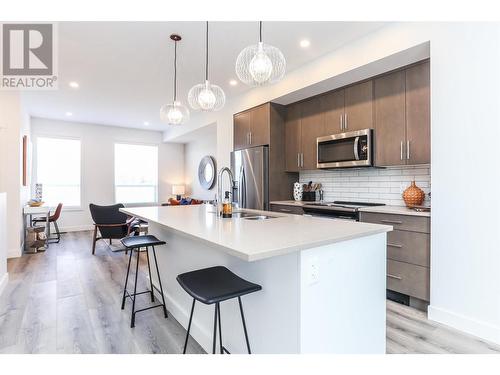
(40, 211)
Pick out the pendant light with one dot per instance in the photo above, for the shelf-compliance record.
(260, 64)
(174, 113)
(206, 96)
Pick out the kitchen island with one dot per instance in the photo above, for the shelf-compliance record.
(323, 280)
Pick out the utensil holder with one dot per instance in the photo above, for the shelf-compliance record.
(309, 196)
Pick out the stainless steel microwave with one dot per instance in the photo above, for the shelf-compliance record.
(345, 150)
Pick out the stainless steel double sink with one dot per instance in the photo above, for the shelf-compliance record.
(249, 216)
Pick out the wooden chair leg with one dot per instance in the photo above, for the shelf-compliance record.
(94, 240)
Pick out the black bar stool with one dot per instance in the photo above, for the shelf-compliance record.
(135, 243)
(215, 285)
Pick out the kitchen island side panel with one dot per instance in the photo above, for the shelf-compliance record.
(272, 315)
(343, 288)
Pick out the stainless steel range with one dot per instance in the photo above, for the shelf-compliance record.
(337, 209)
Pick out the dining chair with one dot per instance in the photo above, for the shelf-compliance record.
(52, 219)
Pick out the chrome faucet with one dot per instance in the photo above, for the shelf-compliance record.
(219, 185)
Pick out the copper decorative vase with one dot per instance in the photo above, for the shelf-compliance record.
(413, 195)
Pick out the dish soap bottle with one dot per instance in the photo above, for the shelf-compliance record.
(227, 207)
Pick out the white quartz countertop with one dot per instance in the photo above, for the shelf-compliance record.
(398, 210)
(253, 240)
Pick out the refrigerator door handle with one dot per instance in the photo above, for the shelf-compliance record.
(243, 190)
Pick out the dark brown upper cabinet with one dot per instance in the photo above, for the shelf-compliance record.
(292, 137)
(348, 109)
(311, 127)
(390, 119)
(333, 108)
(252, 127)
(418, 116)
(358, 107)
(305, 122)
(402, 117)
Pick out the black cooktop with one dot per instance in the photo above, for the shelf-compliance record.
(363, 204)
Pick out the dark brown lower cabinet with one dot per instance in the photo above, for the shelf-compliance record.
(408, 252)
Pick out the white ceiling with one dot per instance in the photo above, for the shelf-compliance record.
(125, 69)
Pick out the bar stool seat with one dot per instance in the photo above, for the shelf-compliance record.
(141, 241)
(136, 243)
(215, 284)
(212, 286)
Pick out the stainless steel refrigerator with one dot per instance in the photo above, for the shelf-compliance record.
(250, 168)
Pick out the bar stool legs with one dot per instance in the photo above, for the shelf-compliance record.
(159, 282)
(189, 327)
(132, 320)
(150, 278)
(244, 325)
(151, 291)
(220, 330)
(126, 281)
(217, 321)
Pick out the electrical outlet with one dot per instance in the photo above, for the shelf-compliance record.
(312, 271)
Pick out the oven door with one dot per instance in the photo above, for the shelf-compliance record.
(353, 149)
(331, 214)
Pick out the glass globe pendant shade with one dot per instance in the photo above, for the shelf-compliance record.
(260, 64)
(206, 97)
(174, 114)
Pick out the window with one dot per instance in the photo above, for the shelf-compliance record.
(58, 170)
(136, 173)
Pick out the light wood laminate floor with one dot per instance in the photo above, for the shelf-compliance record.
(67, 301)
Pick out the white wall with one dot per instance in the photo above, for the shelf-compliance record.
(97, 144)
(465, 105)
(11, 127)
(4, 276)
(201, 144)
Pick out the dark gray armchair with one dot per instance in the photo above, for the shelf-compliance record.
(111, 223)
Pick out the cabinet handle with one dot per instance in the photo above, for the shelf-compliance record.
(391, 221)
(250, 137)
(346, 125)
(394, 277)
(298, 160)
(395, 245)
(285, 210)
(401, 150)
(407, 150)
(302, 160)
(341, 124)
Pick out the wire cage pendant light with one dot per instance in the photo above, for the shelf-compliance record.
(206, 96)
(260, 64)
(174, 113)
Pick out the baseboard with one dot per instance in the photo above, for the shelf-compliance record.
(14, 253)
(466, 324)
(76, 228)
(3, 282)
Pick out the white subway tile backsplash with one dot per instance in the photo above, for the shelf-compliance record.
(375, 185)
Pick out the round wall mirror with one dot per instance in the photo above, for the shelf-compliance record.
(206, 172)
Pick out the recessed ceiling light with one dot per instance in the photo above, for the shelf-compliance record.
(74, 85)
(233, 82)
(145, 123)
(304, 43)
(69, 114)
